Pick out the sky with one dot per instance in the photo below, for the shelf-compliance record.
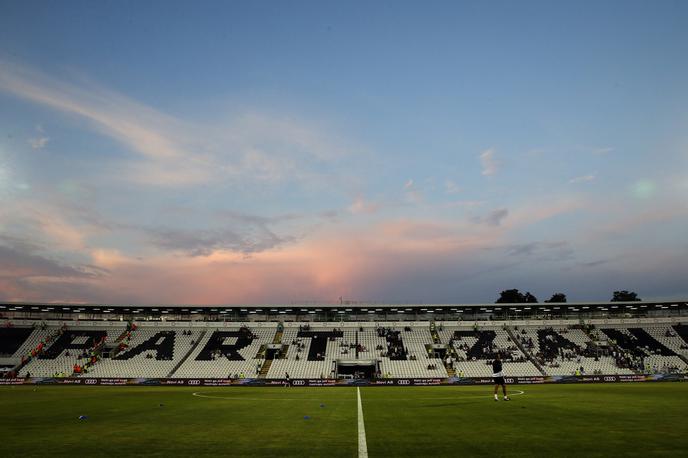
(281, 152)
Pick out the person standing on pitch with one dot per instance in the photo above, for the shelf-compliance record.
(498, 377)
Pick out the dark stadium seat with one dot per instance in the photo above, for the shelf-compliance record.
(682, 330)
(161, 342)
(637, 341)
(231, 351)
(645, 340)
(483, 348)
(318, 342)
(72, 339)
(13, 338)
(551, 342)
(395, 346)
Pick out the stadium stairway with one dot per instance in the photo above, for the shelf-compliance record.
(588, 332)
(451, 372)
(435, 335)
(267, 363)
(261, 352)
(122, 336)
(188, 353)
(523, 349)
(265, 368)
(96, 352)
(127, 334)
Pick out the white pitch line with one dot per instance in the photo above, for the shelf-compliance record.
(362, 445)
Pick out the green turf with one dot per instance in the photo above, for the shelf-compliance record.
(548, 420)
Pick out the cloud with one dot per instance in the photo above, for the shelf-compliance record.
(544, 251)
(328, 215)
(205, 242)
(23, 269)
(44, 221)
(361, 206)
(451, 187)
(40, 140)
(38, 143)
(489, 163)
(69, 228)
(494, 218)
(233, 232)
(10, 184)
(411, 192)
(583, 178)
(524, 249)
(125, 120)
(396, 260)
(602, 150)
(353, 263)
(465, 203)
(595, 263)
(405, 231)
(22, 260)
(537, 210)
(618, 226)
(175, 152)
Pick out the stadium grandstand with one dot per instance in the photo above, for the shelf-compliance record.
(319, 344)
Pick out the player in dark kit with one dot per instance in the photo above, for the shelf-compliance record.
(498, 377)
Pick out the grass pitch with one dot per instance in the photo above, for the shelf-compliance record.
(644, 419)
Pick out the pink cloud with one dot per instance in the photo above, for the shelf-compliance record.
(343, 262)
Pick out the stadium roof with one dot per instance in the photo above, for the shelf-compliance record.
(175, 308)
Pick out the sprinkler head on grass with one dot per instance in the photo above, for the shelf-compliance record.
(83, 417)
(306, 417)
